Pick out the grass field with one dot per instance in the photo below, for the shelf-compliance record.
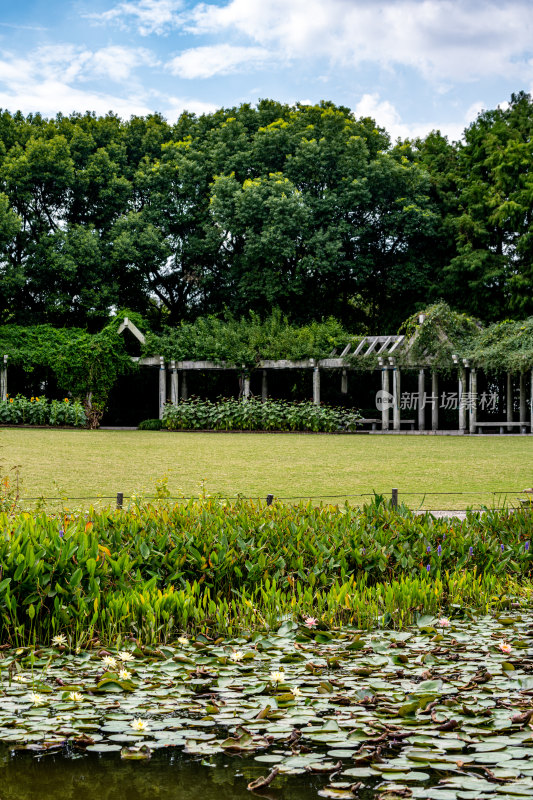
(80, 464)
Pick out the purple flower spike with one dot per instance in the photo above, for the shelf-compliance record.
(439, 549)
(61, 533)
(364, 550)
(443, 536)
(502, 547)
(471, 551)
(428, 549)
(526, 545)
(428, 567)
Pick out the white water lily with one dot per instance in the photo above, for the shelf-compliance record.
(59, 640)
(125, 655)
(183, 640)
(21, 679)
(237, 655)
(76, 697)
(277, 677)
(296, 691)
(109, 661)
(139, 725)
(37, 699)
(124, 675)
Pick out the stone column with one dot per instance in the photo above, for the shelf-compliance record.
(316, 385)
(434, 400)
(344, 382)
(421, 409)
(396, 393)
(264, 387)
(184, 390)
(385, 407)
(509, 400)
(462, 407)
(174, 384)
(162, 386)
(523, 404)
(473, 399)
(246, 387)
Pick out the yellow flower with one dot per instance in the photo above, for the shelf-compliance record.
(66, 400)
(183, 640)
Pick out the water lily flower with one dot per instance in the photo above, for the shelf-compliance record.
(59, 640)
(444, 622)
(76, 697)
(504, 647)
(109, 661)
(277, 677)
(296, 691)
(237, 655)
(20, 679)
(125, 655)
(37, 699)
(124, 675)
(140, 725)
(310, 622)
(183, 640)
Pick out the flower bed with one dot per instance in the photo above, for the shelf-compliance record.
(20, 410)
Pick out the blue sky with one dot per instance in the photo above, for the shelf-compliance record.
(414, 65)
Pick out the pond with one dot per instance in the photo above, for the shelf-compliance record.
(443, 710)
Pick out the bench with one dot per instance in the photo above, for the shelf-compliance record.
(503, 426)
(375, 422)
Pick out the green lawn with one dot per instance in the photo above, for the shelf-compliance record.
(78, 464)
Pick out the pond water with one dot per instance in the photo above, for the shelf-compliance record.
(441, 711)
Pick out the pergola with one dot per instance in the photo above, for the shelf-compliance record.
(391, 354)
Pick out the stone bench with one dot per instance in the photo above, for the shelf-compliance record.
(503, 426)
(377, 422)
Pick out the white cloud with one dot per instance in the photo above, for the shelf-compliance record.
(219, 59)
(387, 116)
(149, 16)
(55, 79)
(443, 39)
(174, 106)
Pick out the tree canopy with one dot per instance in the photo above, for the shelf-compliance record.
(302, 208)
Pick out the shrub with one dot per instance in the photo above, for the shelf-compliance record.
(150, 425)
(253, 415)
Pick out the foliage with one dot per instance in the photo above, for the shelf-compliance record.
(443, 332)
(254, 415)
(150, 425)
(504, 346)
(20, 410)
(247, 340)
(205, 563)
(85, 365)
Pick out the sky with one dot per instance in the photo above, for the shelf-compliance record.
(412, 65)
